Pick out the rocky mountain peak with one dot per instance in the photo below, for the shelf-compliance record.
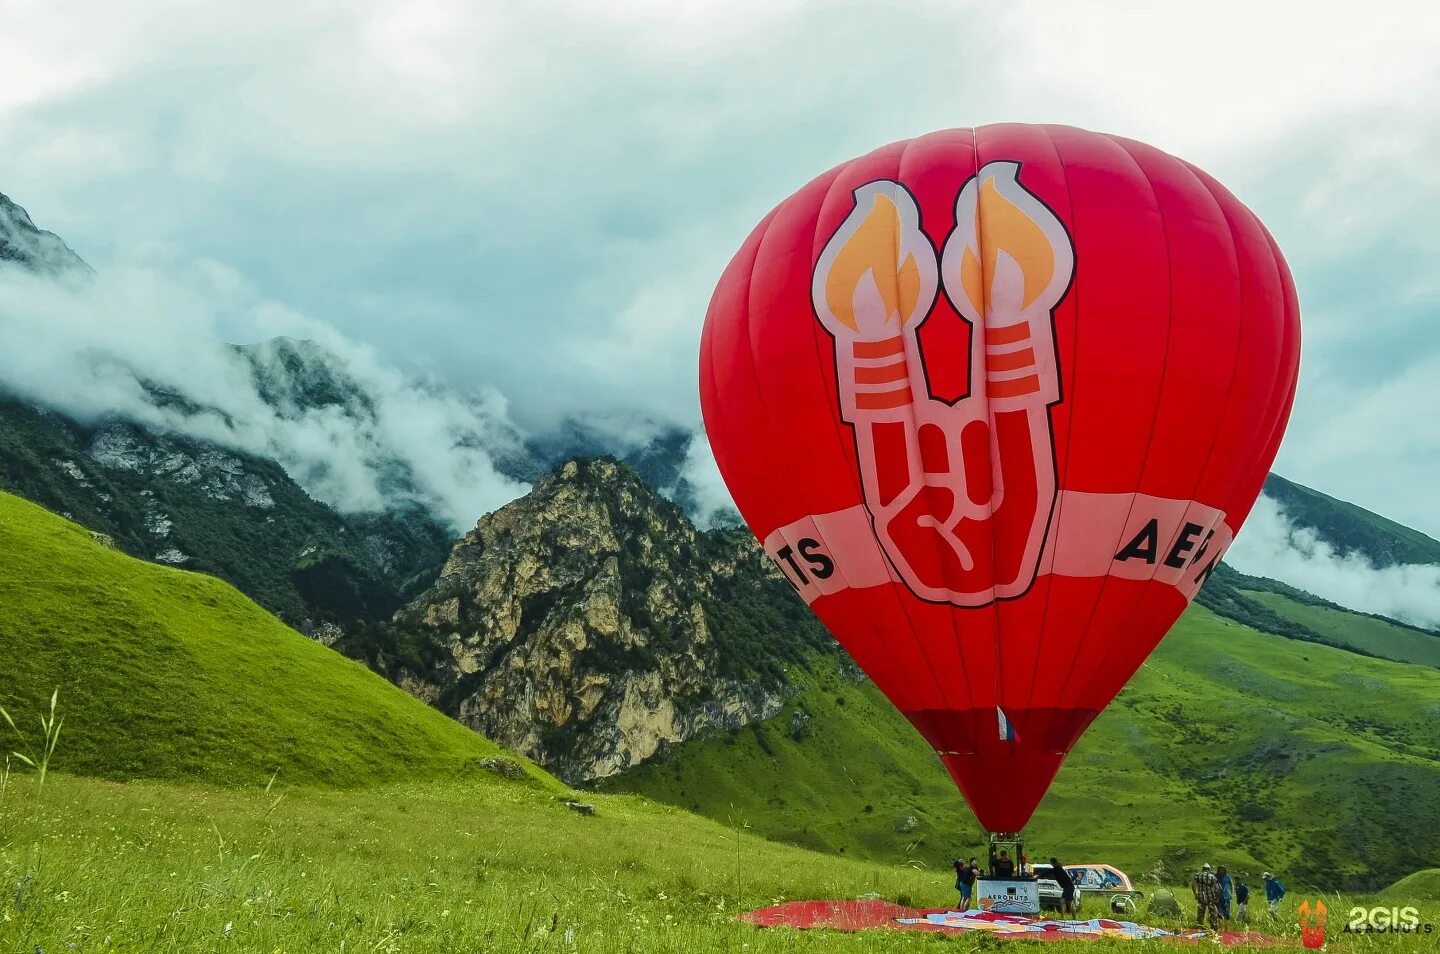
(22, 242)
(295, 376)
(606, 479)
(589, 624)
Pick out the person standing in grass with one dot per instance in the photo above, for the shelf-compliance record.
(1227, 891)
(1067, 887)
(1206, 888)
(1274, 891)
(1242, 901)
(965, 874)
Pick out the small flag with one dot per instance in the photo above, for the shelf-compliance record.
(1007, 731)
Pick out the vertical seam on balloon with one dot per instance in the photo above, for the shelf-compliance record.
(1235, 361)
(949, 610)
(749, 275)
(1061, 472)
(814, 237)
(749, 336)
(1085, 633)
(707, 372)
(1235, 243)
(1292, 329)
(1292, 320)
(845, 436)
(1288, 377)
(979, 388)
(1275, 376)
(707, 355)
(714, 376)
(840, 439)
(1278, 381)
(1229, 224)
(760, 390)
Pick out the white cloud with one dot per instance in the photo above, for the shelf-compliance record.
(1270, 545)
(540, 197)
(1212, 81)
(85, 346)
(703, 476)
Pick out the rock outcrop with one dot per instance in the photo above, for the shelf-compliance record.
(218, 474)
(589, 624)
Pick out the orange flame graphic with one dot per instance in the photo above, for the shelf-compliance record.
(1009, 255)
(877, 274)
(1312, 924)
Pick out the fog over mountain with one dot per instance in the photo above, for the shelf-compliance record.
(142, 341)
(139, 343)
(1273, 545)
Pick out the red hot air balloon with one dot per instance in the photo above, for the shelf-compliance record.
(996, 401)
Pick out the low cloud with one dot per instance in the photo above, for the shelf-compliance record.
(710, 499)
(1272, 545)
(141, 342)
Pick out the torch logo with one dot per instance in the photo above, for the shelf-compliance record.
(959, 493)
(1312, 924)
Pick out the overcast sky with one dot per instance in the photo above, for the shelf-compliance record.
(539, 197)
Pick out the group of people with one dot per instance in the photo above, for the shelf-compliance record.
(966, 874)
(1216, 892)
(1219, 897)
(1003, 866)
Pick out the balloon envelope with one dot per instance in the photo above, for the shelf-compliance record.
(996, 401)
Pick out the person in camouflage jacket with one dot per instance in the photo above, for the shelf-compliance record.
(1207, 897)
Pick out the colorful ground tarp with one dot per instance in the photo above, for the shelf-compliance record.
(864, 914)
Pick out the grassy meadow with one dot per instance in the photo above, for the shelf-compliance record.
(1415, 888)
(436, 867)
(219, 782)
(1230, 746)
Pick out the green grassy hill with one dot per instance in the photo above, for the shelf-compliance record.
(296, 556)
(174, 675)
(1370, 635)
(1228, 745)
(1420, 886)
